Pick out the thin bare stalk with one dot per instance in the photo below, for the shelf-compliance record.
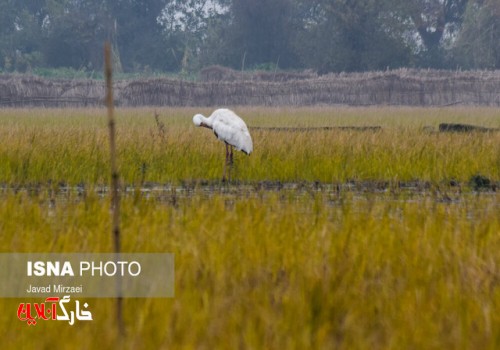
(115, 193)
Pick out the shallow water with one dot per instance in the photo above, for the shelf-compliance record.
(330, 192)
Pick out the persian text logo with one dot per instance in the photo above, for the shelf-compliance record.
(48, 311)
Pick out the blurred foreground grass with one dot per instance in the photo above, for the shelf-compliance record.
(278, 269)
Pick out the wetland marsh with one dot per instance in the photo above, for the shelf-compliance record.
(335, 238)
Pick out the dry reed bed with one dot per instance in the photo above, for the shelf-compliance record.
(399, 87)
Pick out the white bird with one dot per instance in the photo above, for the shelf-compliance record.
(230, 129)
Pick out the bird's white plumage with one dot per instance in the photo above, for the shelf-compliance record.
(228, 127)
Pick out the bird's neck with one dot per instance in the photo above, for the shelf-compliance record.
(206, 122)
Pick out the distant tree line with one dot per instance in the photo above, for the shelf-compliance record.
(183, 36)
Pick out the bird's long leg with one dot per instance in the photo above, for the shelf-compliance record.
(225, 164)
(230, 162)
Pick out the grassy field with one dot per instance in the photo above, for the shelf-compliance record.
(312, 267)
(280, 270)
(70, 146)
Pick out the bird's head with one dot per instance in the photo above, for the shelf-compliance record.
(198, 119)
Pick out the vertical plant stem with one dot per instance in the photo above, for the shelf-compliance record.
(115, 194)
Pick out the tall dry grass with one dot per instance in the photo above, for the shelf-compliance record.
(280, 269)
(40, 146)
(293, 269)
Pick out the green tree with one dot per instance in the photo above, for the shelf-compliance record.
(70, 33)
(260, 32)
(435, 22)
(356, 35)
(139, 33)
(194, 32)
(20, 36)
(74, 32)
(478, 43)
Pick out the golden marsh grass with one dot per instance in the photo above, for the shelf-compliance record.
(279, 270)
(69, 146)
(304, 268)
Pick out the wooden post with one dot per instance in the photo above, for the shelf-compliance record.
(115, 193)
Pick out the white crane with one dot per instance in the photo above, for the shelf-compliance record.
(231, 129)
